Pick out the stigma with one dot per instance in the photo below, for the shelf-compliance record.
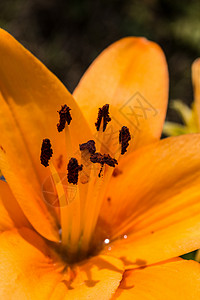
(103, 159)
(90, 146)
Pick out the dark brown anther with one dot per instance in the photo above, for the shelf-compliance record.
(103, 114)
(124, 138)
(97, 158)
(108, 160)
(46, 152)
(103, 159)
(73, 169)
(65, 116)
(90, 146)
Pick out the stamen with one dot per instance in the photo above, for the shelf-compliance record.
(124, 138)
(46, 152)
(103, 159)
(103, 114)
(96, 193)
(73, 169)
(65, 116)
(110, 161)
(90, 146)
(64, 211)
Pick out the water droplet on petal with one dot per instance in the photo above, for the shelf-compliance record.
(106, 241)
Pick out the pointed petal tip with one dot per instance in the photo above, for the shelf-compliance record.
(196, 73)
(196, 86)
(128, 67)
(196, 62)
(196, 70)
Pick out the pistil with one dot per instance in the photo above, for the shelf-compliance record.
(103, 159)
(90, 146)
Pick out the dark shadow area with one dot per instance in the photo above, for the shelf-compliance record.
(139, 262)
(68, 35)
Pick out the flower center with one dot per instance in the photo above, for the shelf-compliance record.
(88, 178)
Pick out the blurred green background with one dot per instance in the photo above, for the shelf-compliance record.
(68, 34)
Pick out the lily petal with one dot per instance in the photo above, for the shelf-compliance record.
(23, 181)
(33, 95)
(196, 86)
(11, 214)
(99, 276)
(131, 75)
(159, 245)
(27, 271)
(170, 280)
(157, 206)
(30, 96)
(152, 176)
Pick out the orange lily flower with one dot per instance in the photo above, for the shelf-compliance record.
(80, 228)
